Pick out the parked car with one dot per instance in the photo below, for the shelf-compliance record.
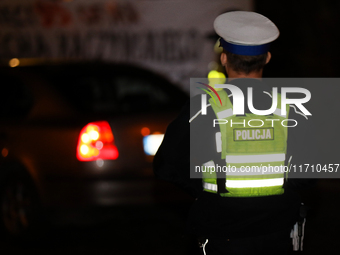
(79, 134)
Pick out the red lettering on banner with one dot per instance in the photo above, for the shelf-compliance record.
(52, 14)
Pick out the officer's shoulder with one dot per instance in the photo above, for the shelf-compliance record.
(296, 113)
(196, 110)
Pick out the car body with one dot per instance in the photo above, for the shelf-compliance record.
(45, 111)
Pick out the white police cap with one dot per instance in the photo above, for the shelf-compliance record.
(245, 33)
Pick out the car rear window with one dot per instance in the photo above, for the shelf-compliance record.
(96, 91)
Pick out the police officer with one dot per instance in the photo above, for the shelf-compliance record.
(238, 213)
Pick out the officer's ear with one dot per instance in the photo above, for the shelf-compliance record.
(223, 58)
(269, 56)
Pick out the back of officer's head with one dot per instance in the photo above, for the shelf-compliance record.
(245, 38)
(246, 64)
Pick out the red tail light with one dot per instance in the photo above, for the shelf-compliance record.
(96, 142)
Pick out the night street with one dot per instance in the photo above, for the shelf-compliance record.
(159, 229)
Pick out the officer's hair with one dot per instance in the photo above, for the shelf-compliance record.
(246, 64)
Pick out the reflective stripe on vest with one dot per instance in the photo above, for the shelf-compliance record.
(246, 184)
(210, 186)
(254, 183)
(218, 139)
(209, 177)
(225, 114)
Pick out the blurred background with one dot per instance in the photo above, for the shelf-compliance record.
(88, 88)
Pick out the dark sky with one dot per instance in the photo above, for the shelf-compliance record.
(308, 45)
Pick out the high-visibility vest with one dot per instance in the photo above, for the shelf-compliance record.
(254, 148)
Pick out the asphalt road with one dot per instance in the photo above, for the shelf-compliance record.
(159, 229)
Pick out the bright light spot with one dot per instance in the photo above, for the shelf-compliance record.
(215, 74)
(91, 128)
(99, 145)
(84, 149)
(151, 143)
(95, 152)
(85, 138)
(94, 135)
(14, 62)
(145, 131)
(100, 162)
(216, 77)
(4, 152)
